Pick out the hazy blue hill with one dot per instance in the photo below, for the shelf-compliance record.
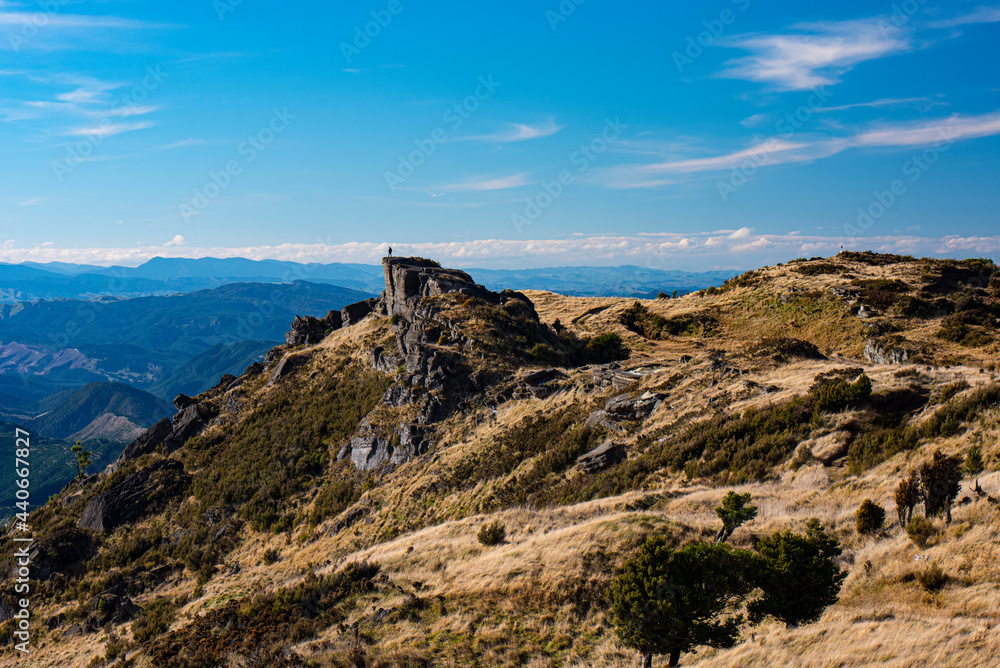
(183, 325)
(77, 409)
(205, 369)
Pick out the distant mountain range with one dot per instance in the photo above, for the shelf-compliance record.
(163, 276)
(51, 345)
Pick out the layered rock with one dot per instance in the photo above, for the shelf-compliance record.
(130, 498)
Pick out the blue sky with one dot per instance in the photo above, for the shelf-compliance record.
(723, 134)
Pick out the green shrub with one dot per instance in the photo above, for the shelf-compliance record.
(271, 556)
(653, 326)
(920, 530)
(492, 534)
(932, 578)
(607, 347)
(947, 420)
(544, 353)
(869, 518)
(837, 396)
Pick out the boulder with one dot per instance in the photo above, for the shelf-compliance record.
(607, 454)
(355, 313)
(130, 498)
(182, 401)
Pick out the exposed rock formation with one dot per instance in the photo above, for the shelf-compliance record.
(311, 330)
(130, 498)
(878, 353)
(601, 457)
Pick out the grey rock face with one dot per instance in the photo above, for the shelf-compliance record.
(601, 457)
(130, 498)
(877, 353)
(311, 330)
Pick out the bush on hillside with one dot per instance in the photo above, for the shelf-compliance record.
(869, 518)
(492, 534)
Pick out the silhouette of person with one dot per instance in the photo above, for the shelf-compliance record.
(390, 251)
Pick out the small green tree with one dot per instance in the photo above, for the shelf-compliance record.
(870, 517)
(668, 601)
(82, 459)
(908, 495)
(734, 511)
(940, 482)
(974, 464)
(798, 575)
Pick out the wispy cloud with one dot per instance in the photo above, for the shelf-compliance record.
(518, 132)
(480, 184)
(110, 129)
(30, 202)
(777, 151)
(812, 54)
(52, 20)
(879, 104)
(981, 15)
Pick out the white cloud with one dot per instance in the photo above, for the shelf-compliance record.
(481, 184)
(110, 129)
(663, 252)
(776, 151)
(741, 233)
(518, 132)
(176, 241)
(32, 201)
(814, 54)
(981, 15)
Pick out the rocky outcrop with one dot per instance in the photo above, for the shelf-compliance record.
(877, 352)
(311, 330)
(370, 450)
(355, 313)
(607, 454)
(130, 498)
(148, 441)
